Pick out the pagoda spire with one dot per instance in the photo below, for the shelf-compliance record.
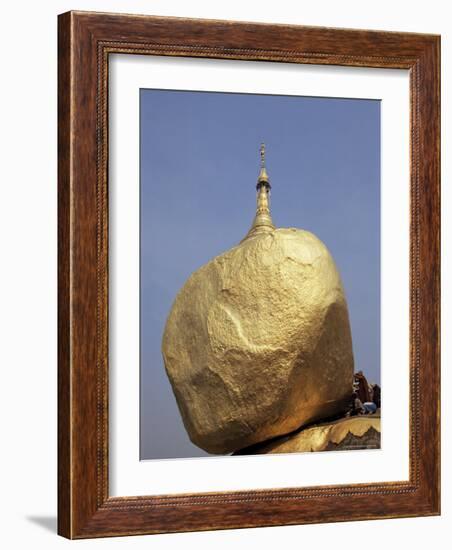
(262, 221)
(263, 178)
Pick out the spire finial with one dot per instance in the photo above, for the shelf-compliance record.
(263, 178)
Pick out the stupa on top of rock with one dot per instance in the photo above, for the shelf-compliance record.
(258, 343)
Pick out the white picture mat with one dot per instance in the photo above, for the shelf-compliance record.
(129, 475)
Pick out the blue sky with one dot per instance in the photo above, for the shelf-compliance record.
(199, 164)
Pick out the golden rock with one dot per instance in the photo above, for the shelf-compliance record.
(258, 341)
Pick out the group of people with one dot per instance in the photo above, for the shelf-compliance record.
(366, 398)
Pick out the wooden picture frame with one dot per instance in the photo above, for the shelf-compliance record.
(85, 42)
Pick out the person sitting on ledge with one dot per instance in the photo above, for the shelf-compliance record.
(369, 407)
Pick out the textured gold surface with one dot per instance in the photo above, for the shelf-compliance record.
(258, 340)
(321, 437)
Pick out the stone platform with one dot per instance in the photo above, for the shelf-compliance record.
(345, 434)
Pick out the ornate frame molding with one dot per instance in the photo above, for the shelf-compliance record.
(85, 42)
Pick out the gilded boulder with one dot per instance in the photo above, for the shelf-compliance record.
(258, 343)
